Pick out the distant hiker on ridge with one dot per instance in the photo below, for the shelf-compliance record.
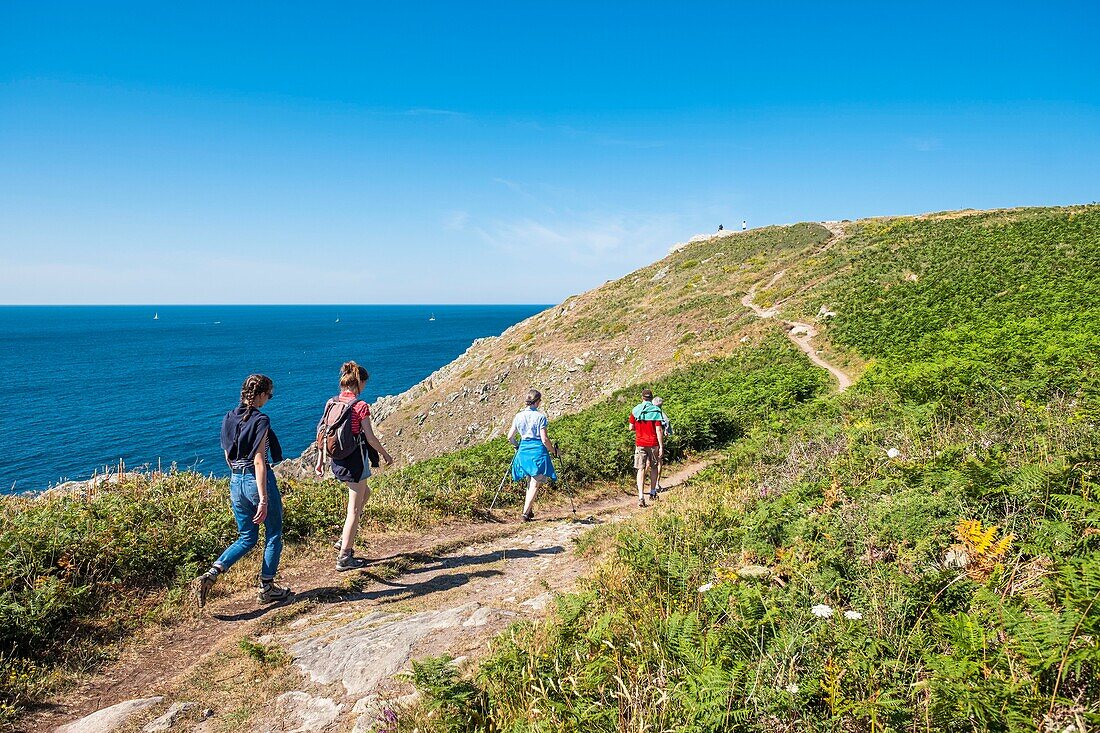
(744, 225)
(529, 437)
(649, 443)
(253, 493)
(345, 435)
(720, 227)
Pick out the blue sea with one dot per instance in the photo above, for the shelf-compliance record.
(84, 386)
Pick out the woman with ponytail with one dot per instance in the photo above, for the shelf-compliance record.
(246, 439)
(533, 450)
(354, 469)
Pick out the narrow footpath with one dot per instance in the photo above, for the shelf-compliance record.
(347, 642)
(802, 334)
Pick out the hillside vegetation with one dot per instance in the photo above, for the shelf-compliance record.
(680, 310)
(81, 570)
(921, 553)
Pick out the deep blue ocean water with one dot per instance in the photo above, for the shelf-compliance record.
(83, 386)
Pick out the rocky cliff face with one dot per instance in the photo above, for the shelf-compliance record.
(680, 309)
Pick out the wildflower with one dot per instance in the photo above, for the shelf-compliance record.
(853, 615)
(893, 453)
(792, 688)
(821, 611)
(705, 587)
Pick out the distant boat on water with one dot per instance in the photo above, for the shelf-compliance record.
(337, 317)
(156, 316)
(432, 318)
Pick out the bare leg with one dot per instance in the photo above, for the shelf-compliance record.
(532, 490)
(357, 497)
(654, 477)
(641, 484)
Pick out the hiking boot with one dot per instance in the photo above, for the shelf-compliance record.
(348, 561)
(528, 516)
(653, 494)
(642, 504)
(271, 593)
(201, 586)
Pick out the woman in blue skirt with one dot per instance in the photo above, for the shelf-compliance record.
(533, 450)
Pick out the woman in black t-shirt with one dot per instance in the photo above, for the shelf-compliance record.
(254, 494)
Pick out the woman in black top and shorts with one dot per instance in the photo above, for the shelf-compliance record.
(254, 494)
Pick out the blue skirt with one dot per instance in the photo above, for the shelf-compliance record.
(532, 459)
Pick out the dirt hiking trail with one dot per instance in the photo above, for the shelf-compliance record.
(802, 334)
(347, 635)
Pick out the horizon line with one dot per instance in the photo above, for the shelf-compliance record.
(261, 305)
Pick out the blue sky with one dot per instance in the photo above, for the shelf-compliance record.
(503, 152)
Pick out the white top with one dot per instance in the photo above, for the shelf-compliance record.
(529, 423)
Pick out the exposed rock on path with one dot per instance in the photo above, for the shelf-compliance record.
(108, 719)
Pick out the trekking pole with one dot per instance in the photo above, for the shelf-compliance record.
(507, 473)
(499, 487)
(569, 493)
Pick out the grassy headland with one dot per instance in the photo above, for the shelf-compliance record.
(947, 503)
(920, 553)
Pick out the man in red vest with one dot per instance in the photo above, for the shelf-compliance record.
(649, 443)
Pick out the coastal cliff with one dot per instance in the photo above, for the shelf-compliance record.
(679, 310)
(892, 552)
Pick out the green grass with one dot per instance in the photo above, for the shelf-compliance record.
(1006, 303)
(981, 333)
(989, 398)
(76, 572)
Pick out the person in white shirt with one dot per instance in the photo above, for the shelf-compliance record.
(529, 437)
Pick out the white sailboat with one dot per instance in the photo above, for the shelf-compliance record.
(432, 318)
(156, 316)
(337, 317)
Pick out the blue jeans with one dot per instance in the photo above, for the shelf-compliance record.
(244, 497)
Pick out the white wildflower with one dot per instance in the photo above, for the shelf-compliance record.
(821, 611)
(893, 453)
(853, 615)
(705, 587)
(792, 688)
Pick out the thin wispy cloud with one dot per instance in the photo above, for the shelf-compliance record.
(599, 138)
(456, 221)
(603, 239)
(587, 135)
(924, 144)
(434, 112)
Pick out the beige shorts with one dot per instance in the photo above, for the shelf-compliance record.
(646, 456)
